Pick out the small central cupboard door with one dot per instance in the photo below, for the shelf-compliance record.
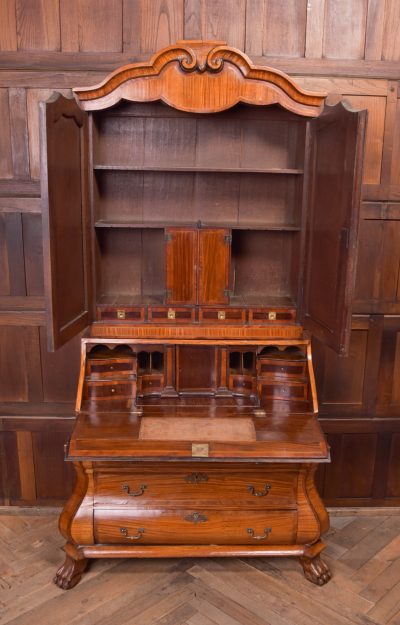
(214, 262)
(337, 142)
(64, 171)
(181, 260)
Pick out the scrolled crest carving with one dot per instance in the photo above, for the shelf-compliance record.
(179, 76)
(200, 63)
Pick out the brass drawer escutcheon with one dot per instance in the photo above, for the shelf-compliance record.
(121, 314)
(124, 531)
(126, 489)
(196, 517)
(259, 493)
(221, 315)
(196, 478)
(171, 313)
(267, 531)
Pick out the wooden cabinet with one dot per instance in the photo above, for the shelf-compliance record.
(200, 220)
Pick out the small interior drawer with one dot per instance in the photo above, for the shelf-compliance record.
(222, 315)
(171, 314)
(106, 390)
(121, 313)
(150, 383)
(281, 368)
(297, 391)
(271, 315)
(98, 369)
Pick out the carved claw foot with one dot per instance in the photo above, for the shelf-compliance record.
(70, 573)
(315, 570)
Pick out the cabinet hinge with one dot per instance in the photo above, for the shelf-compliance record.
(228, 239)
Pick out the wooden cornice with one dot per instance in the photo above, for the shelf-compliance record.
(202, 77)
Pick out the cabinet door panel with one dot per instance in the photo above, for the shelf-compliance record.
(332, 227)
(181, 256)
(214, 257)
(64, 214)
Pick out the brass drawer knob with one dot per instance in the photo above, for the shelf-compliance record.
(125, 533)
(259, 493)
(113, 390)
(126, 489)
(267, 531)
(196, 517)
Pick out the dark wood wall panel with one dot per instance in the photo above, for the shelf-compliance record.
(350, 48)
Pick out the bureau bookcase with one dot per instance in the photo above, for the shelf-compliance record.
(200, 226)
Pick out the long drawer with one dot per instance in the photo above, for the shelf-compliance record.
(180, 487)
(194, 526)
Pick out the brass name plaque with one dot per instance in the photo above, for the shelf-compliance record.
(200, 450)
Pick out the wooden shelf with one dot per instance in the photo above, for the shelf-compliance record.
(199, 170)
(242, 226)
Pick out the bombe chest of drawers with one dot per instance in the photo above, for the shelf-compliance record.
(200, 219)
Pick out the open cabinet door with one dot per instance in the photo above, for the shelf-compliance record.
(337, 142)
(64, 170)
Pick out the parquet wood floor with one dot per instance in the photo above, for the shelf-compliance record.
(363, 552)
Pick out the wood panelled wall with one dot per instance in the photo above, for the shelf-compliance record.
(347, 47)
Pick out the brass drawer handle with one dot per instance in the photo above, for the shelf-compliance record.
(259, 493)
(126, 488)
(196, 517)
(138, 536)
(267, 531)
(196, 478)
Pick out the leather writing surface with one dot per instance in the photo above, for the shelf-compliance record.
(197, 429)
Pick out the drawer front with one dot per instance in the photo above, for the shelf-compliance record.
(242, 384)
(222, 315)
(150, 384)
(267, 315)
(98, 369)
(264, 489)
(281, 368)
(108, 390)
(195, 526)
(124, 313)
(171, 314)
(283, 390)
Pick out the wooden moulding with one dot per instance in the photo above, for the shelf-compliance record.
(202, 77)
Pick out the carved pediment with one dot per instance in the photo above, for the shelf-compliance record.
(201, 77)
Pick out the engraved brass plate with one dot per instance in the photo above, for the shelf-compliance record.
(171, 314)
(120, 314)
(272, 316)
(221, 314)
(200, 450)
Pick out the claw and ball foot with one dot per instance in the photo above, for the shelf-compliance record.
(315, 570)
(70, 573)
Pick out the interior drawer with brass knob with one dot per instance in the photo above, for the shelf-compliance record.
(222, 315)
(263, 316)
(181, 487)
(195, 525)
(171, 314)
(108, 389)
(106, 368)
(133, 314)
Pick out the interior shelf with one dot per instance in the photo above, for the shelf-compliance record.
(234, 226)
(225, 170)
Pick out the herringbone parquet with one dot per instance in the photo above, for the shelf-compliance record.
(363, 551)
